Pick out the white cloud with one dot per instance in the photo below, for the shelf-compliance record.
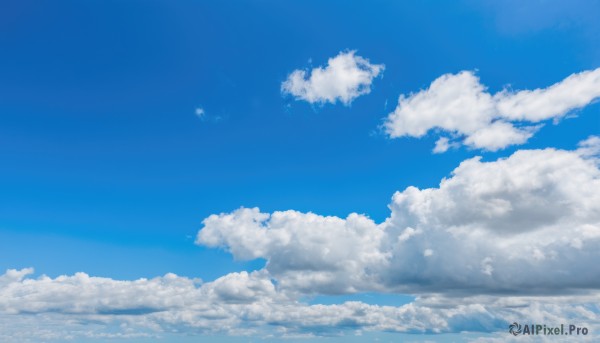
(530, 222)
(346, 77)
(461, 105)
(452, 102)
(441, 145)
(200, 113)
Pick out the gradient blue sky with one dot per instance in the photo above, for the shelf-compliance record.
(106, 168)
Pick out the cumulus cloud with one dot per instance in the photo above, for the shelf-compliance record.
(305, 251)
(526, 223)
(461, 105)
(530, 222)
(346, 77)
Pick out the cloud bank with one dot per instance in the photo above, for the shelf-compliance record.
(346, 77)
(460, 105)
(80, 306)
(516, 239)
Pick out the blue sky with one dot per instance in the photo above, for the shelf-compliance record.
(107, 169)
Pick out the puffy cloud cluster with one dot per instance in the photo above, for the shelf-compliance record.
(346, 77)
(530, 222)
(526, 223)
(461, 106)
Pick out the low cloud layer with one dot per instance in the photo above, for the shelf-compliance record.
(346, 77)
(80, 306)
(460, 106)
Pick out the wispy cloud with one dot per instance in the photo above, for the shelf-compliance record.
(206, 117)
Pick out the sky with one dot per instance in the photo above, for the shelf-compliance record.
(252, 171)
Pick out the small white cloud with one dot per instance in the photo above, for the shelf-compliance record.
(346, 77)
(589, 147)
(459, 104)
(208, 118)
(443, 144)
(200, 113)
